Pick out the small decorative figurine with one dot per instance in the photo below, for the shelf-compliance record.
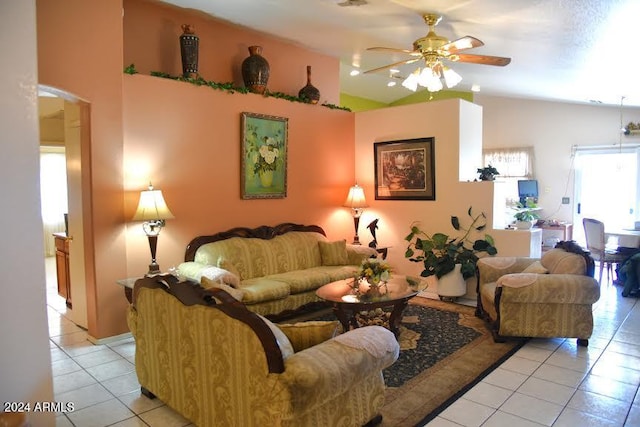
(372, 228)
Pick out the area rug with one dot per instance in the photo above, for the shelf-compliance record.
(445, 350)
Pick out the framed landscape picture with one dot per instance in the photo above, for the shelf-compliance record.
(264, 156)
(405, 169)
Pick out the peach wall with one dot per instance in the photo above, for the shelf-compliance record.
(152, 31)
(186, 140)
(70, 33)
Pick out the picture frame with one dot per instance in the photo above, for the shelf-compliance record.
(264, 156)
(405, 169)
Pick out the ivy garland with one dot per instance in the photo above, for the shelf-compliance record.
(230, 87)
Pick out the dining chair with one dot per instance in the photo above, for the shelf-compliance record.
(597, 245)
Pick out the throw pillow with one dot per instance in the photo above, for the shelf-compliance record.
(209, 283)
(334, 253)
(283, 342)
(217, 274)
(228, 265)
(536, 267)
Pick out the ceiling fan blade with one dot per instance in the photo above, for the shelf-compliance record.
(408, 61)
(483, 59)
(392, 49)
(463, 43)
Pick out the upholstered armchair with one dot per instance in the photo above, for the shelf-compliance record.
(547, 297)
(218, 364)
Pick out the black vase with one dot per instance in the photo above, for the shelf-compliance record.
(255, 70)
(189, 51)
(309, 93)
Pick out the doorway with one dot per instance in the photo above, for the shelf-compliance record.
(606, 187)
(63, 125)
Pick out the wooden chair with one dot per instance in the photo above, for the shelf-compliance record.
(596, 244)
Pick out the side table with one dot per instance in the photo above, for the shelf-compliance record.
(127, 284)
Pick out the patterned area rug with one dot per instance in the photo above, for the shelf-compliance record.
(445, 350)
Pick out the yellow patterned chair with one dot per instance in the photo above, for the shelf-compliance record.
(218, 364)
(547, 297)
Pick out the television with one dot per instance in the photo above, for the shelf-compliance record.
(528, 188)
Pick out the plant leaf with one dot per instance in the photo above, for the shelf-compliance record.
(455, 222)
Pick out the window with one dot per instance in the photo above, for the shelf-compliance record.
(513, 164)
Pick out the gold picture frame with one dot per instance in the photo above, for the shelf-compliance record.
(264, 156)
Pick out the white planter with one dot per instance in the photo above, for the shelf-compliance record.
(452, 284)
(524, 225)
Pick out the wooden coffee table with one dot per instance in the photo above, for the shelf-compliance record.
(349, 307)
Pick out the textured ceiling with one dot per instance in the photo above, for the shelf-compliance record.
(571, 50)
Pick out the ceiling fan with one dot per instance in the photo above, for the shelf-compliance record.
(433, 48)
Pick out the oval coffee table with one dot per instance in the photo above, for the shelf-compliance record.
(347, 305)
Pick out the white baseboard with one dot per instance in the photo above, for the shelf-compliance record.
(109, 340)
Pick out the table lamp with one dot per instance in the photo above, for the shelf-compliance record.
(153, 210)
(357, 203)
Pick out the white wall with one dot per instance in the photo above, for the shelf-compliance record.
(25, 361)
(552, 128)
(443, 120)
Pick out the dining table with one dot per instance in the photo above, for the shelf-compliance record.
(623, 237)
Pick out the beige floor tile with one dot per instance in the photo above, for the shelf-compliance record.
(546, 390)
(71, 381)
(503, 419)
(123, 384)
(600, 406)
(573, 418)
(505, 379)
(64, 366)
(520, 365)
(85, 396)
(609, 387)
(559, 375)
(488, 394)
(164, 417)
(138, 402)
(97, 357)
(467, 413)
(101, 414)
(532, 409)
(106, 371)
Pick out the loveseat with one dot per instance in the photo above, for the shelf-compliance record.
(272, 270)
(547, 297)
(218, 364)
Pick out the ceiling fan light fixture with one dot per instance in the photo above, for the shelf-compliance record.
(391, 84)
(354, 73)
(411, 82)
(451, 78)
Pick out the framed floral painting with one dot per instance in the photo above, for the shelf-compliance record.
(264, 156)
(405, 169)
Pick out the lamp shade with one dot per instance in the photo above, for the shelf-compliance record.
(152, 206)
(355, 199)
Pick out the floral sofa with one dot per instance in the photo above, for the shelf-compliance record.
(272, 270)
(547, 297)
(218, 364)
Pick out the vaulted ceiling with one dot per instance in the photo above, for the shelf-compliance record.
(569, 50)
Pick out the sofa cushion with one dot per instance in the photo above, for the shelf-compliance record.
(263, 289)
(334, 253)
(227, 265)
(302, 280)
(561, 261)
(338, 272)
(307, 334)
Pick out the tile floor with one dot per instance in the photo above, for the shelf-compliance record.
(546, 383)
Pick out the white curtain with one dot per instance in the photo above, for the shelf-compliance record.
(511, 162)
(53, 194)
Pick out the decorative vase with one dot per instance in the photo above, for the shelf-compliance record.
(189, 51)
(309, 93)
(452, 284)
(255, 70)
(266, 178)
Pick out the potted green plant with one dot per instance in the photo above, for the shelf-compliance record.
(525, 214)
(487, 173)
(439, 252)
